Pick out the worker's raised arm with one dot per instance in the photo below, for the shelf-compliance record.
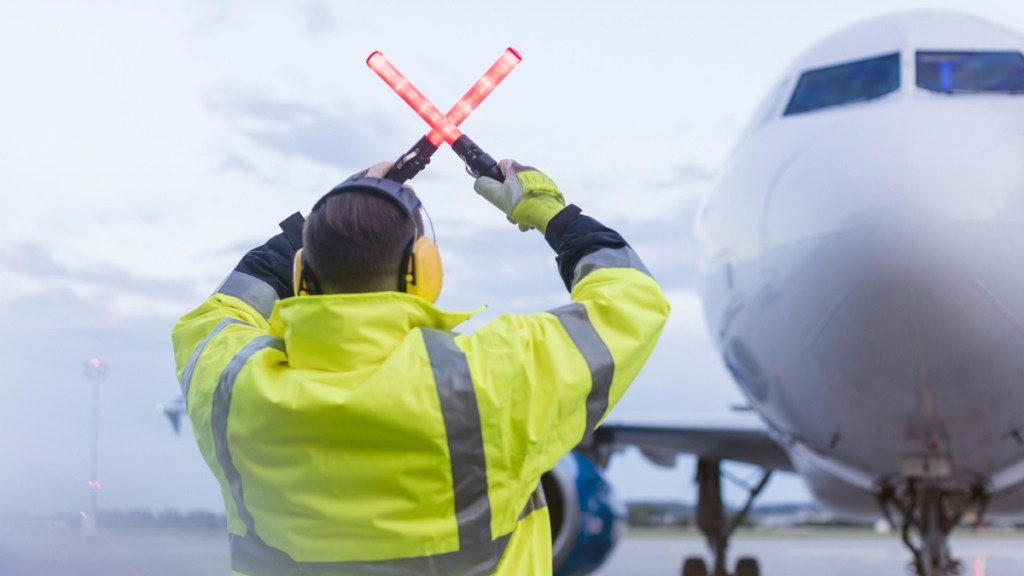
(227, 323)
(243, 301)
(560, 372)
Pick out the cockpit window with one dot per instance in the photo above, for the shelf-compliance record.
(971, 72)
(845, 83)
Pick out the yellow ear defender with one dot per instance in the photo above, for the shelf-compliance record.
(298, 278)
(421, 273)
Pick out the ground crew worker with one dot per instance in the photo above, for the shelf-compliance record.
(352, 432)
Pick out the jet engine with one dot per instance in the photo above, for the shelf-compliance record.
(586, 518)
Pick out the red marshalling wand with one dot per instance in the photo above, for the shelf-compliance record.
(444, 127)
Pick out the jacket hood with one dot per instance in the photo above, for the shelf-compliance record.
(348, 331)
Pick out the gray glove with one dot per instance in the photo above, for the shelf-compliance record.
(527, 197)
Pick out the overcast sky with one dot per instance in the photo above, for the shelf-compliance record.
(145, 146)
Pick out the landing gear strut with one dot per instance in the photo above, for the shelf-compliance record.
(712, 522)
(927, 514)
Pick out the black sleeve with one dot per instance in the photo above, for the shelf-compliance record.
(573, 235)
(273, 261)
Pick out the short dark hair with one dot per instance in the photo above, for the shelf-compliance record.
(357, 242)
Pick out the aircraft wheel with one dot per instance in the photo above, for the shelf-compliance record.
(695, 567)
(748, 567)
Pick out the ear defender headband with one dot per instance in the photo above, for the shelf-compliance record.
(420, 273)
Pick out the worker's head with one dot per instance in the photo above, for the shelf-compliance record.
(367, 235)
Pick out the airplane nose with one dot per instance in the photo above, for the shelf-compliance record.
(915, 206)
(965, 160)
(905, 281)
(919, 167)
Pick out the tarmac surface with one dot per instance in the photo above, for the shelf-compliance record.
(817, 552)
(60, 551)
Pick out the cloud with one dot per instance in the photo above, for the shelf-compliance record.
(685, 175)
(317, 17)
(113, 294)
(340, 138)
(233, 161)
(37, 262)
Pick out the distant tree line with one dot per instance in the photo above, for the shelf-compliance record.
(145, 518)
(671, 514)
(658, 514)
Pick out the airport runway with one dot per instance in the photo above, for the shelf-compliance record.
(815, 553)
(55, 551)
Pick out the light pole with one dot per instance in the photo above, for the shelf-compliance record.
(94, 370)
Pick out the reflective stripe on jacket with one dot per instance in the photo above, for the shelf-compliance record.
(356, 434)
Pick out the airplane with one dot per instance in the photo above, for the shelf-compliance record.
(174, 411)
(860, 276)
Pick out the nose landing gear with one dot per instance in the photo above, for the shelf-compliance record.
(927, 513)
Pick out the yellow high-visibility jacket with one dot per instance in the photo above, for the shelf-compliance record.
(356, 434)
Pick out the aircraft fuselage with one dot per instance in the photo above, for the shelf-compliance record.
(862, 272)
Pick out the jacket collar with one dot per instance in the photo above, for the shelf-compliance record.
(348, 331)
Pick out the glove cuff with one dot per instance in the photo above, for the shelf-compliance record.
(537, 211)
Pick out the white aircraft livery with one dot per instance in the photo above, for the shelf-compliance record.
(862, 273)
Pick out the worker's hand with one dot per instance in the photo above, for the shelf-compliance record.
(377, 170)
(527, 197)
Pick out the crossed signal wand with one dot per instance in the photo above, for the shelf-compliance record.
(444, 127)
